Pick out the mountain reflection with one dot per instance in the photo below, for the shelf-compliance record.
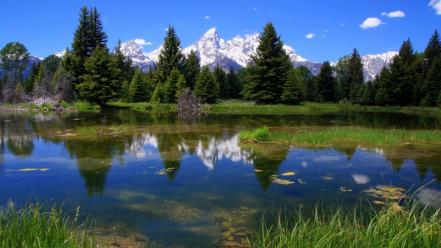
(176, 142)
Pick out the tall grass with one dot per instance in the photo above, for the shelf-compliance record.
(32, 227)
(342, 136)
(388, 227)
(256, 135)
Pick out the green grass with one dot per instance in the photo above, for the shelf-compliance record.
(391, 227)
(145, 106)
(242, 107)
(256, 135)
(346, 136)
(32, 227)
(85, 107)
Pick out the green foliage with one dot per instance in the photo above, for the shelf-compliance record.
(33, 227)
(293, 89)
(433, 84)
(269, 69)
(206, 88)
(235, 86)
(138, 90)
(44, 82)
(350, 77)
(192, 68)
(14, 58)
(170, 57)
(124, 64)
(326, 86)
(256, 135)
(367, 94)
(88, 36)
(221, 79)
(99, 83)
(170, 87)
(390, 226)
(180, 87)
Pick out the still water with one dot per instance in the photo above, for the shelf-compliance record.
(192, 184)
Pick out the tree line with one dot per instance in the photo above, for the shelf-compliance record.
(92, 72)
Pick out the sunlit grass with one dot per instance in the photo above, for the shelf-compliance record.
(392, 226)
(349, 136)
(33, 227)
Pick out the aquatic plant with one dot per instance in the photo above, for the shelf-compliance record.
(256, 135)
(390, 226)
(33, 227)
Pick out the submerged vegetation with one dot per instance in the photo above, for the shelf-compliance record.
(345, 136)
(391, 226)
(33, 227)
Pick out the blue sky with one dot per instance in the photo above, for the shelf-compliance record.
(334, 26)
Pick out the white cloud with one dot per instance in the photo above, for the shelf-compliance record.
(371, 22)
(436, 4)
(207, 17)
(310, 36)
(360, 179)
(142, 42)
(394, 14)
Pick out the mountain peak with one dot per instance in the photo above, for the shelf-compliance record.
(211, 32)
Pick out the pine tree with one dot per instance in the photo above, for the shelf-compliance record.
(367, 93)
(431, 54)
(326, 86)
(439, 99)
(14, 58)
(269, 69)
(234, 85)
(180, 87)
(170, 86)
(293, 90)
(309, 84)
(192, 68)
(383, 82)
(29, 82)
(206, 88)
(138, 90)
(99, 84)
(221, 79)
(88, 36)
(170, 57)
(403, 75)
(433, 84)
(126, 70)
(350, 77)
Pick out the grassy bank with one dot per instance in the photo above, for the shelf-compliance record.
(344, 136)
(32, 227)
(392, 226)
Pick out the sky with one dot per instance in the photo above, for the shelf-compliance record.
(318, 30)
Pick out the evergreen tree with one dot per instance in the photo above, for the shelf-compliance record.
(431, 55)
(138, 90)
(433, 84)
(383, 82)
(14, 58)
(206, 88)
(439, 100)
(126, 70)
(309, 84)
(293, 90)
(326, 86)
(99, 84)
(180, 87)
(170, 57)
(192, 68)
(367, 93)
(170, 86)
(234, 85)
(403, 75)
(44, 82)
(269, 69)
(88, 36)
(29, 82)
(221, 79)
(350, 77)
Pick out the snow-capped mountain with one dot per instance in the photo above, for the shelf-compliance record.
(213, 50)
(236, 53)
(374, 63)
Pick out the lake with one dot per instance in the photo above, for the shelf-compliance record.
(191, 183)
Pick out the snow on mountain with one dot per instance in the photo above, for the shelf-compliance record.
(236, 53)
(374, 63)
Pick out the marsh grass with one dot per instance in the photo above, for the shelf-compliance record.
(349, 136)
(310, 108)
(257, 135)
(411, 226)
(145, 107)
(33, 227)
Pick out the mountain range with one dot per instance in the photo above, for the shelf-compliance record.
(236, 53)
